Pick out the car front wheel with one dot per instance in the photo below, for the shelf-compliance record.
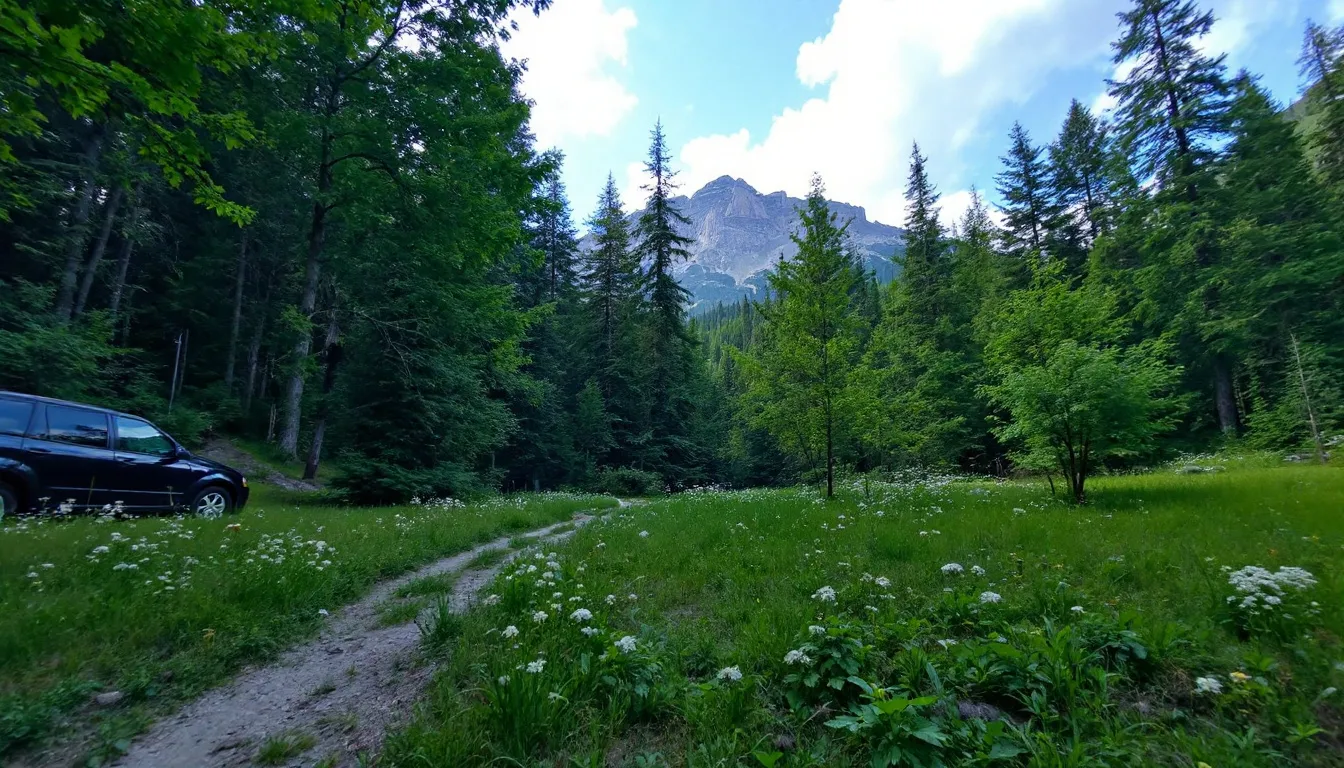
(9, 501)
(211, 503)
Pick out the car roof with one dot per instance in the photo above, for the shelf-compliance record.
(72, 403)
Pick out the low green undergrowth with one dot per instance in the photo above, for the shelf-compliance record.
(161, 608)
(1179, 619)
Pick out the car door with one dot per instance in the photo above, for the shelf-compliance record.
(150, 472)
(69, 449)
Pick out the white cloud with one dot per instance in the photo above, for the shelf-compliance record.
(890, 72)
(573, 51)
(948, 74)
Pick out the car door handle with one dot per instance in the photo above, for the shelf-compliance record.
(40, 450)
(126, 459)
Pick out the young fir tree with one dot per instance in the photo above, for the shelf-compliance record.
(1080, 179)
(799, 378)
(1031, 215)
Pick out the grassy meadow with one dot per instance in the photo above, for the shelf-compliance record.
(924, 622)
(160, 608)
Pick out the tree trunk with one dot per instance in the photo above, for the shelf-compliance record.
(253, 358)
(830, 460)
(332, 351)
(79, 219)
(1224, 401)
(99, 248)
(238, 286)
(1306, 400)
(124, 257)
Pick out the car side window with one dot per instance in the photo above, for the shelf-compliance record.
(136, 436)
(14, 417)
(77, 426)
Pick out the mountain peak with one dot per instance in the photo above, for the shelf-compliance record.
(726, 182)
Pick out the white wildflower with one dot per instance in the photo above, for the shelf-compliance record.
(582, 614)
(816, 630)
(590, 631)
(883, 582)
(797, 657)
(503, 680)
(643, 534)
(539, 616)
(977, 570)
(1077, 609)
(952, 569)
(731, 674)
(534, 667)
(1208, 685)
(991, 597)
(825, 595)
(626, 644)
(510, 631)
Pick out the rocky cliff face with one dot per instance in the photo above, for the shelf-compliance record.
(739, 234)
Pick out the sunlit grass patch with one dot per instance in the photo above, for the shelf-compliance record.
(935, 618)
(160, 608)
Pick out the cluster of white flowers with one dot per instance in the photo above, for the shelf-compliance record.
(1259, 588)
(535, 667)
(977, 570)
(539, 616)
(1077, 609)
(590, 631)
(883, 582)
(643, 534)
(1209, 685)
(510, 631)
(816, 630)
(797, 657)
(582, 614)
(730, 674)
(825, 595)
(952, 569)
(626, 644)
(991, 597)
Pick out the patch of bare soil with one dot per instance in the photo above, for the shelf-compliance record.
(342, 692)
(227, 453)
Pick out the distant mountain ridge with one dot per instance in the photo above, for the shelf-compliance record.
(739, 234)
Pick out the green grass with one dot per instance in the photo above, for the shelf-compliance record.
(279, 749)
(204, 597)
(728, 580)
(426, 586)
(394, 612)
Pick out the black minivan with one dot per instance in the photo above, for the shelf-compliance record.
(55, 453)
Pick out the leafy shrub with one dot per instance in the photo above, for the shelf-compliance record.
(627, 481)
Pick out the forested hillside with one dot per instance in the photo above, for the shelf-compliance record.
(327, 226)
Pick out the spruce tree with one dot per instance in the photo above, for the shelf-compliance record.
(1173, 104)
(660, 247)
(610, 283)
(924, 269)
(1031, 215)
(1322, 64)
(1079, 174)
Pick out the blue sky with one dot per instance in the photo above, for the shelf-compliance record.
(774, 90)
